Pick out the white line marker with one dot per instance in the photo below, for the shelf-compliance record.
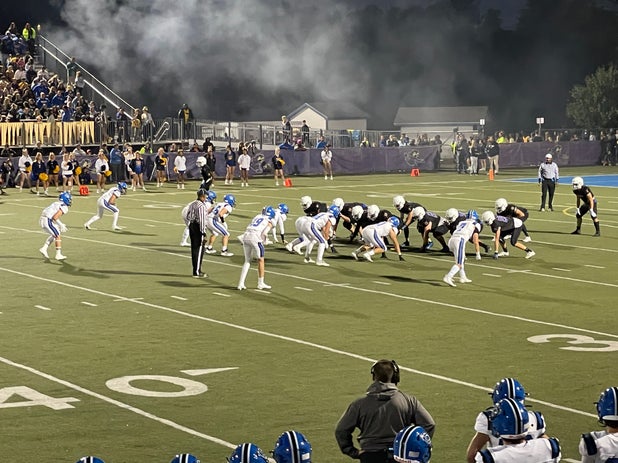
(42, 307)
(124, 299)
(336, 284)
(492, 275)
(381, 283)
(207, 371)
(179, 298)
(89, 304)
(570, 460)
(149, 225)
(593, 266)
(561, 269)
(302, 289)
(221, 294)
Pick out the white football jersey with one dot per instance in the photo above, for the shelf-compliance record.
(50, 211)
(530, 451)
(599, 447)
(465, 229)
(217, 210)
(536, 427)
(111, 192)
(322, 218)
(381, 228)
(259, 226)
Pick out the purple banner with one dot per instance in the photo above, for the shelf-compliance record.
(575, 153)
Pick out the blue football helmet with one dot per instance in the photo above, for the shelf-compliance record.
(334, 210)
(395, 221)
(472, 214)
(211, 196)
(510, 419)
(412, 444)
(185, 458)
(122, 186)
(269, 211)
(508, 388)
(283, 208)
(292, 447)
(66, 198)
(607, 406)
(90, 460)
(230, 199)
(247, 453)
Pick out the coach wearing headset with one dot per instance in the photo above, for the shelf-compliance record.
(379, 416)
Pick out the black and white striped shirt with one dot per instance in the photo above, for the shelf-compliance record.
(197, 214)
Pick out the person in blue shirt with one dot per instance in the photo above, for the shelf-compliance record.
(321, 144)
(116, 164)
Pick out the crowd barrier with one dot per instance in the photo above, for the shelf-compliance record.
(381, 160)
(59, 133)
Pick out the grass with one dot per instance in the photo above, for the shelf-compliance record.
(123, 304)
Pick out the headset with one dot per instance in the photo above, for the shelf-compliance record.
(396, 376)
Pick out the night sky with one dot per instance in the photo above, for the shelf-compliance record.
(237, 59)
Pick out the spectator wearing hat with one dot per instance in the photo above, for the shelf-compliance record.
(147, 124)
(548, 177)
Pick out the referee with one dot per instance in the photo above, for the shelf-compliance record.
(548, 177)
(196, 216)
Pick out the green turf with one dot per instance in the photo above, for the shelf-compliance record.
(301, 352)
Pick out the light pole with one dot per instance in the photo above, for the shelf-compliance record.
(482, 125)
(540, 121)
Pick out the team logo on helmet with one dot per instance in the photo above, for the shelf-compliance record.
(334, 210)
(292, 447)
(66, 198)
(283, 208)
(508, 388)
(412, 444)
(230, 199)
(269, 211)
(247, 453)
(510, 419)
(185, 458)
(607, 406)
(394, 221)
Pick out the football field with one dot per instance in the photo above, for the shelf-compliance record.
(117, 352)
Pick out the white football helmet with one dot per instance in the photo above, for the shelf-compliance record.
(577, 183)
(398, 201)
(373, 211)
(418, 213)
(501, 205)
(357, 212)
(488, 217)
(305, 201)
(338, 202)
(451, 214)
(200, 161)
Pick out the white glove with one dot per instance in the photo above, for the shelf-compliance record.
(63, 228)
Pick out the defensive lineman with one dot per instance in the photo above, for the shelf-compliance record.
(50, 222)
(107, 201)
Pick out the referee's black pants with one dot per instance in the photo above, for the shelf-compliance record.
(197, 247)
(548, 186)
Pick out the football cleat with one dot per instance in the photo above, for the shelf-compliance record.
(449, 281)
(60, 256)
(292, 447)
(412, 444)
(321, 263)
(227, 253)
(465, 280)
(530, 254)
(503, 254)
(309, 260)
(263, 286)
(43, 251)
(527, 239)
(354, 255)
(367, 256)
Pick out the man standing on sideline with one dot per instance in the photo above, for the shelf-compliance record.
(379, 415)
(116, 164)
(327, 157)
(548, 177)
(196, 216)
(304, 130)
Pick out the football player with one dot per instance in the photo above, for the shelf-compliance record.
(205, 172)
(505, 209)
(586, 202)
(506, 388)
(467, 230)
(453, 217)
(311, 207)
(292, 447)
(412, 444)
(430, 222)
(503, 229)
(509, 423)
(247, 453)
(210, 197)
(359, 220)
(50, 223)
(318, 230)
(184, 458)
(373, 237)
(405, 218)
(107, 201)
(215, 222)
(602, 446)
(253, 245)
(281, 215)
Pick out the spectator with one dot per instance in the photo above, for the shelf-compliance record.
(392, 141)
(304, 130)
(136, 126)
(117, 164)
(321, 143)
(79, 82)
(122, 122)
(404, 140)
(286, 128)
(230, 165)
(365, 143)
(71, 68)
(492, 149)
(7, 152)
(382, 141)
(78, 150)
(208, 143)
(462, 154)
(298, 146)
(501, 138)
(29, 35)
(147, 124)
(186, 117)
(24, 165)
(382, 410)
